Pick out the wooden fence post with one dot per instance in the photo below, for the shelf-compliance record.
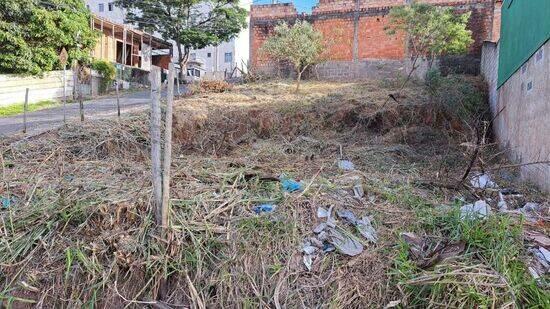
(117, 99)
(155, 144)
(80, 100)
(168, 147)
(64, 94)
(25, 108)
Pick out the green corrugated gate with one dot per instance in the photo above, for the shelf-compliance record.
(525, 28)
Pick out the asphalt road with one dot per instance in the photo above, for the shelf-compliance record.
(47, 119)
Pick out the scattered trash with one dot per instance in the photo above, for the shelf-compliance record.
(344, 242)
(358, 191)
(290, 185)
(427, 252)
(309, 252)
(322, 213)
(502, 205)
(479, 210)
(364, 226)
(7, 202)
(535, 211)
(347, 215)
(328, 247)
(482, 181)
(541, 258)
(321, 227)
(545, 253)
(265, 208)
(393, 304)
(346, 165)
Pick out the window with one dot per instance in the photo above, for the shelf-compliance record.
(524, 68)
(209, 55)
(111, 6)
(228, 57)
(101, 7)
(88, 6)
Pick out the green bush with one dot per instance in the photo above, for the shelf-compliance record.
(458, 96)
(107, 71)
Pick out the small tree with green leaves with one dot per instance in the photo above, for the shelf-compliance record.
(431, 31)
(300, 45)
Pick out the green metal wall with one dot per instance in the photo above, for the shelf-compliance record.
(525, 28)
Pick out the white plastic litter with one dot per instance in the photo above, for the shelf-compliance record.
(479, 210)
(482, 181)
(346, 165)
(322, 212)
(502, 205)
(309, 252)
(545, 253)
(364, 226)
(344, 242)
(358, 191)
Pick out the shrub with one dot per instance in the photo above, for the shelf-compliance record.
(459, 97)
(107, 71)
(215, 86)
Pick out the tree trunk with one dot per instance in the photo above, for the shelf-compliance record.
(298, 80)
(182, 61)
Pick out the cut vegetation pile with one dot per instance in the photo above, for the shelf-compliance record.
(76, 228)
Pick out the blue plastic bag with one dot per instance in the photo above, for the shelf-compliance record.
(264, 208)
(290, 185)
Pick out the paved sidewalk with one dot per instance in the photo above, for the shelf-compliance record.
(47, 119)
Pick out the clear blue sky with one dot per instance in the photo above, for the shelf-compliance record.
(301, 5)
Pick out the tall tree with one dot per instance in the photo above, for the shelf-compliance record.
(33, 33)
(431, 31)
(300, 45)
(191, 24)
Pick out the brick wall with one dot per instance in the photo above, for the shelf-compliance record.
(354, 29)
(375, 43)
(497, 17)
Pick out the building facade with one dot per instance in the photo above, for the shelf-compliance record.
(217, 61)
(358, 45)
(517, 71)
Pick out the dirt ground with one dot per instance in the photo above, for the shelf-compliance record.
(77, 230)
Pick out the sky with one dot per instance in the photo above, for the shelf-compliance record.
(301, 5)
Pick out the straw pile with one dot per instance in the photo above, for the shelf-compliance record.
(79, 232)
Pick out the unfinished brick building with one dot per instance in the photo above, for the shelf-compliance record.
(358, 46)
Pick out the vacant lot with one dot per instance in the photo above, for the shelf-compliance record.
(77, 231)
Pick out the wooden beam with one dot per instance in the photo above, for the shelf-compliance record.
(132, 50)
(124, 51)
(102, 42)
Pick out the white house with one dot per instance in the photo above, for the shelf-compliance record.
(217, 60)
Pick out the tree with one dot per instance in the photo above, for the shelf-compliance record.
(431, 31)
(191, 24)
(33, 33)
(300, 45)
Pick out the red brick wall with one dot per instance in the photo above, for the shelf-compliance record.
(336, 20)
(497, 18)
(338, 34)
(375, 43)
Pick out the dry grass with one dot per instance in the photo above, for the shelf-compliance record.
(80, 233)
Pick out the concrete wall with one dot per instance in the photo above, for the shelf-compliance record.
(355, 34)
(489, 71)
(523, 126)
(48, 87)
